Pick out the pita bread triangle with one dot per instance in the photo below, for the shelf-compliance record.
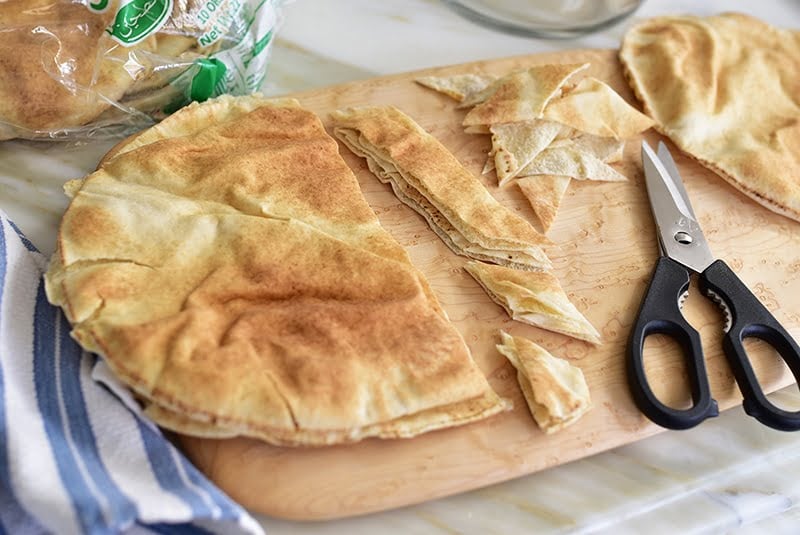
(569, 161)
(521, 96)
(515, 145)
(457, 86)
(533, 297)
(544, 193)
(593, 107)
(235, 296)
(555, 390)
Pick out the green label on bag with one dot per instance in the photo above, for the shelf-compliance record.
(137, 19)
(209, 74)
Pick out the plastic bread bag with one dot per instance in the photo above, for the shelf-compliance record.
(72, 69)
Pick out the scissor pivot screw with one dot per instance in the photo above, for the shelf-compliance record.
(683, 238)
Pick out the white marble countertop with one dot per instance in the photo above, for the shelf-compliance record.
(730, 474)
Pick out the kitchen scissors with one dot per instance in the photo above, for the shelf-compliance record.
(684, 250)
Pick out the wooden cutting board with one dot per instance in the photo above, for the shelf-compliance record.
(606, 249)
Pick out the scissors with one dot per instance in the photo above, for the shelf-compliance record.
(684, 250)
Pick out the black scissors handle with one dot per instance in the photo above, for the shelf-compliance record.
(751, 319)
(660, 314)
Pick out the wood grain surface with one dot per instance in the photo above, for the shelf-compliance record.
(606, 249)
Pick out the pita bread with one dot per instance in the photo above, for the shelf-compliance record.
(428, 178)
(605, 149)
(521, 96)
(405, 427)
(515, 145)
(555, 390)
(238, 297)
(574, 163)
(544, 193)
(725, 90)
(533, 297)
(458, 86)
(38, 96)
(593, 107)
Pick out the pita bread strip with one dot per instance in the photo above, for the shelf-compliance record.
(400, 146)
(533, 297)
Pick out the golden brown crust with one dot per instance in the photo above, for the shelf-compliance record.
(555, 390)
(257, 291)
(594, 108)
(725, 90)
(544, 193)
(521, 96)
(425, 175)
(535, 298)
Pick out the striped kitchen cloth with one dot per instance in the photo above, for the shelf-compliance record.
(74, 456)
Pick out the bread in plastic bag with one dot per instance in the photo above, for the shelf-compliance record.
(90, 68)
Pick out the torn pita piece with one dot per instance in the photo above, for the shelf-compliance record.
(568, 161)
(521, 96)
(593, 107)
(458, 86)
(533, 297)
(515, 145)
(544, 193)
(257, 294)
(428, 178)
(555, 390)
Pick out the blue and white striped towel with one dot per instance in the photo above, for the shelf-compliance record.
(75, 457)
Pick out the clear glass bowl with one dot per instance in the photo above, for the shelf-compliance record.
(552, 19)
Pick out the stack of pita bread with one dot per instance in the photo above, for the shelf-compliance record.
(61, 70)
(228, 269)
(428, 178)
(725, 89)
(545, 129)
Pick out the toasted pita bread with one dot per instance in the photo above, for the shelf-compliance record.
(521, 96)
(427, 177)
(544, 193)
(725, 90)
(574, 163)
(533, 297)
(458, 86)
(236, 297)
(515, 145)
(593, 107)
(555, 390)
(405, 427)
(605, 149)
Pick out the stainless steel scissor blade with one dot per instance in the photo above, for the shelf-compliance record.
(679, 233)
